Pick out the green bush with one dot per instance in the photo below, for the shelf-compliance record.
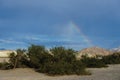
(103, 62)
(63, 68)
(112, 59)
(19, 60)
(62, 54)
(38, 56)
(93, 62)
(63, 62)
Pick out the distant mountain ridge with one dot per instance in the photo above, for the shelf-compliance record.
(93, 52)
(116, 49)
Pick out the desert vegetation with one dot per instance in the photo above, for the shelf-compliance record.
(101, 61)
(93, 62)
(57, 61)
(112, 59)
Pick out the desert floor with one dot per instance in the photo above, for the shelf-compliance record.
(110, 73)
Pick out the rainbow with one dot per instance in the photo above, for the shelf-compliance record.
(82, 35)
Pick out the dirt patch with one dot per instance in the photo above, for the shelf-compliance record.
(110, 73)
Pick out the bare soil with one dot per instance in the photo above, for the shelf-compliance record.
(110, 73)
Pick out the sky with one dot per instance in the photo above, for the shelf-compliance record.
(73, 24)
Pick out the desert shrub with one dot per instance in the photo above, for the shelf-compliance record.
(93, 62)
(112, 59)
(63, 62)
(63, 68)
(103, 62)
(62, 54)
(38, 56)
(19, 60)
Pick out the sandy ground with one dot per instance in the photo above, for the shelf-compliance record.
(110, 73)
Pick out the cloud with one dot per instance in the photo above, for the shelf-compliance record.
(6, 41)
(68, 35)
(52, 21)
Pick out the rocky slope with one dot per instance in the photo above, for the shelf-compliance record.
(93, 52)
(116, 49)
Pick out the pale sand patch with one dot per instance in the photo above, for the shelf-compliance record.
(110, 73)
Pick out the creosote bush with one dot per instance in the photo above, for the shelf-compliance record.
(19, 60)
(112, 59)
(59, 61)
(93, 62)
(102, 62)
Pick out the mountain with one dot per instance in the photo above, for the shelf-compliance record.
(93, 52)
(116, 49)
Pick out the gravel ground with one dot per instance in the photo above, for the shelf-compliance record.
(110, 73)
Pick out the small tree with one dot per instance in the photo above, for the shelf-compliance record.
(60, 53)
(38, 56)
(19, 59)
(65, 62)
